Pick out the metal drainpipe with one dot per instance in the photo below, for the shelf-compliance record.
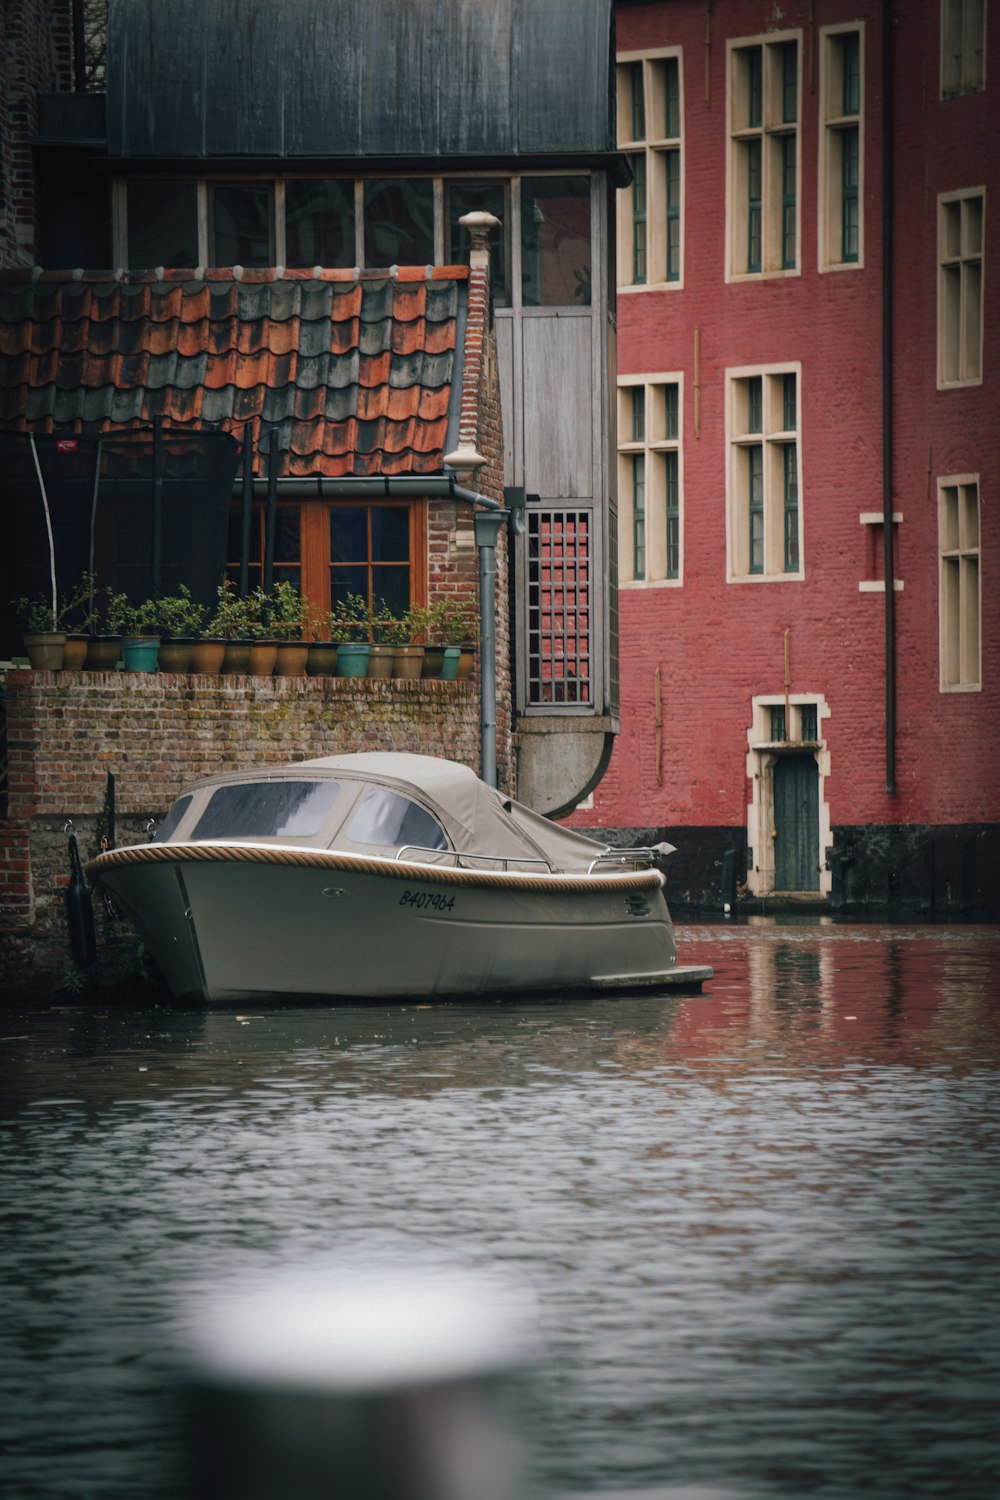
(887, 390)
(490, 515)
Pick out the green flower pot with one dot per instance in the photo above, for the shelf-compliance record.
(140, 653)
(352, 659)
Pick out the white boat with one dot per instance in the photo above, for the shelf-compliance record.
(386, 875)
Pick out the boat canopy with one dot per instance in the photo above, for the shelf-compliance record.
(477, 819)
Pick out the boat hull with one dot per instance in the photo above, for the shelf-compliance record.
(235, 929)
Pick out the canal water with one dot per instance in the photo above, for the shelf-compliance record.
(760, 1225)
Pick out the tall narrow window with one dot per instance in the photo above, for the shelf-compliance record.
(650, 480)
(958, 533)
(963, 47)
(763, 104)
(960, 289)
(650, 125)
(840, 198)
(765, 522)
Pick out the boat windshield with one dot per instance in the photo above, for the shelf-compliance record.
(267, 809)
(392, 821)
(170, 822)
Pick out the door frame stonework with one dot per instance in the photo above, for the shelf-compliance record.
(762, 755)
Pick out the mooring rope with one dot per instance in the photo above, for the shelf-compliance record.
(329, 859)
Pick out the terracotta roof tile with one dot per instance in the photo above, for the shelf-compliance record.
(356, 368)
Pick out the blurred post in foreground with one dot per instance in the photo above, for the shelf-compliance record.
(383, 1387)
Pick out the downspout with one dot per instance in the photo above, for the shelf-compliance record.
(887, 391)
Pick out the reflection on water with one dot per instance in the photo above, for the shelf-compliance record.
(760, 1223)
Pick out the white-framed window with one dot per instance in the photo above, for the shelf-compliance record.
(960, 583)
(841, 193)
(650, 132)
(963, 47)
(650, 480)
(763, 103)
(764, 531)
(960, 287)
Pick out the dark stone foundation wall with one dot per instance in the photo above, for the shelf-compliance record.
(939, 873)
(156, 733)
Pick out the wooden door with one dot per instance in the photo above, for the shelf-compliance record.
(796, 823)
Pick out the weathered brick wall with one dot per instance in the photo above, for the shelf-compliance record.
(36, 54)
(156, 733)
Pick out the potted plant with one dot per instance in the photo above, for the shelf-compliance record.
(135, 624)
(104, 645)
(449, 630)
(403, 635)
(388, 635)
(44, 642)
(350, 625)
(232, 623)
(263, 644)
(180, 619)
(77, 616)
(289, 614)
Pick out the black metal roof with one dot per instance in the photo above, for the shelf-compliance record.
(349, 79)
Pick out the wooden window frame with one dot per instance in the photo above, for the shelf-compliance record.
(961, 253)
(657, 214)
(314, 555)
(841, 145)
(656, 440)
(764, 475)
(963, 47)
(763, 165)
(960, 592)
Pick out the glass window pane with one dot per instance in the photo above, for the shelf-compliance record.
(399, 222)
(393, 821)
(345, 581)
(241, 224)
(390, 533)
(162, 224)
(171, 821)
(555, 241)
(268, 809)
(349, 534)
(319, 223)
(480, 197)
(391, 587)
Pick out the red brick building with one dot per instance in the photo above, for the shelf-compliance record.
(807, 404)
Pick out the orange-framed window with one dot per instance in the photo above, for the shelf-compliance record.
(331, 548)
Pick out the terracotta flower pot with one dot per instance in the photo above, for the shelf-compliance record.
(292, 659)
(45, 649)
(75, 653)
(175, 654)
(263, 655)
(466, 662)
(103, 652)
(236, 658)
(433, 661)
(206, 656)
(408, 661)
(380, 658)
(322, 659)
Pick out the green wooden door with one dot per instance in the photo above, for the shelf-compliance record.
(796, 823)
